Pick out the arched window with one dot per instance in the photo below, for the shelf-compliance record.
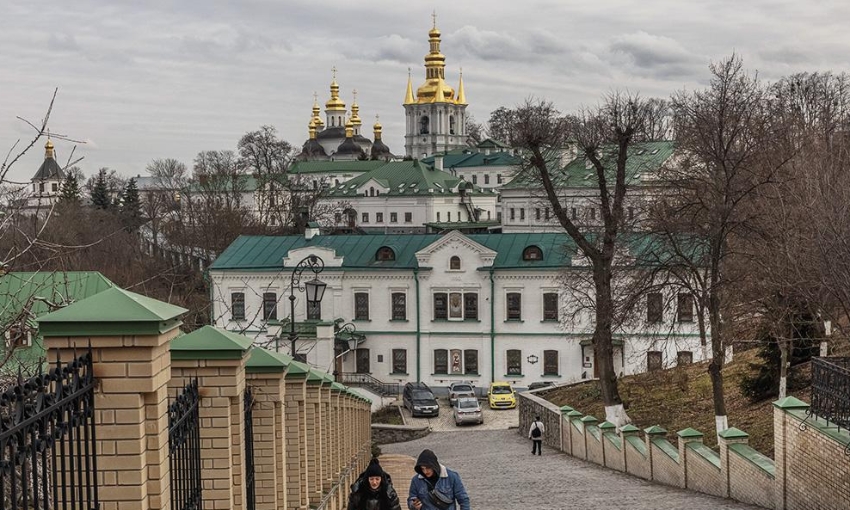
(424, 125)
(454, 262)
(451, 124)
(385, 253)
(532, 253)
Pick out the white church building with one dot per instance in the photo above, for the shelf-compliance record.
(438, 308)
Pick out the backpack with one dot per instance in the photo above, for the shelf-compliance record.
(536, 431)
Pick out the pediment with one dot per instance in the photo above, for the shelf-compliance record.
(455, 242)
(378, 184)
(328, 256)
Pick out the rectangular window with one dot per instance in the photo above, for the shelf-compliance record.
(537, 213)
(449, 216)
(455, 305)
(365, 217)
(361, 365)
(685, 307)
(399, 361)
(546, 215)
(441, 361)
(54, 187)
(550, 362)
(654, 308)
(684, 358)
(486, 178)
(470, 361)
(574, 213)
(514, 362)
(379, 217)
(631, 213)
(522, 213)
(474, 179)
(513, 213)
(269, 306)
(314, 311)
(237, 306)
(441, 305)
(337, 217)
(470, 306)
(399, 306)
(408, 217)
(498, 178)
(592, 213)
(361, 306)
(438, 215)
(550, 306)
(393, 217)
(514, 300)
(654, 361)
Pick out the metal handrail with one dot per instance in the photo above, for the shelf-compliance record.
(354, 379)
(831, 390)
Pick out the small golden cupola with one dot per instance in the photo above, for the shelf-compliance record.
(355, 115)
(379, 149)
(48, 150)
(316, 119)
(335, 103)
(377, 128)
(435, 89)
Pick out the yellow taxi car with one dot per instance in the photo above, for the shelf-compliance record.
(501, 396)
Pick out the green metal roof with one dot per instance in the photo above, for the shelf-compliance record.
(265, 253)
(210, 342)
(469, 159)
(263, 360)
(406, 178)
(643, 158)
(334, 167)
(113, 311)
(36, 290)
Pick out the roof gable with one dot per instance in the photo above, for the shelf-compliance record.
(452, 241)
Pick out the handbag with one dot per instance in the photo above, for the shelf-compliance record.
(440, 500)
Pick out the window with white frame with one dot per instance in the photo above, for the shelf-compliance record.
(399, 306)
(399, 361)
(237, 306)
(456, 305)
(513, 360)
(513, 306)
(550, 362)
(361, 306)
(550, 306)
(269, 306)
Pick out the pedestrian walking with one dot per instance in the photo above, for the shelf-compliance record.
(373, 490)
(435, 487)
(535, 433)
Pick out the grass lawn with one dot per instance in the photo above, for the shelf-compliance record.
(679, 398)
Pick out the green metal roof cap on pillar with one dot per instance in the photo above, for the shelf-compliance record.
(689, 432)
(297, 370)
(114, 311)
(791, 403)
(566, 409)
(629, 428)
(315, 377)
(655, 429)
(210, 343)
(607, 425)
(733, 433)
(338, 387)
(265, 361)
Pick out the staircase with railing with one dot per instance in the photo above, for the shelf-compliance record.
(370, 383)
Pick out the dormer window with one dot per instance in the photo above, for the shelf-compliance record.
(532, 253)
(385, 253)
(454, 263)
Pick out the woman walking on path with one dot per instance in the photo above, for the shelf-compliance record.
(535, 433)
(373, 490)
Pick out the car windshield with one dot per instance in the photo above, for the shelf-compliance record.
(467, 404)
(461, 387)
(501, 390)
(422, 395)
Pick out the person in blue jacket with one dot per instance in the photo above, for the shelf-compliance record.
(435, 487)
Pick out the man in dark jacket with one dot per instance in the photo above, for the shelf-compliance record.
(373, 490)
(435, 487)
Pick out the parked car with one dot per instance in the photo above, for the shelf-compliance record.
(461, 389)
(420, 400)
(468, 410)
(540, 384)
(501, 396)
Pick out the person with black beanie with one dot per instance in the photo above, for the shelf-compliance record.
(435, 487)
(373, 490)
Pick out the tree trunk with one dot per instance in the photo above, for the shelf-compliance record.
(718, 358)
(783, 367)
(603, 347)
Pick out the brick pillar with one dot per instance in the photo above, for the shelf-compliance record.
(650, 434)
(627, 431)
(266, 375)
(314, 441)
(297, 483)
(217, 358)
(326, 431)
(686, 436)
(129, 336)
(781, 425)
(725, 438)
(336, 429)
(608, 450)
(565, 431)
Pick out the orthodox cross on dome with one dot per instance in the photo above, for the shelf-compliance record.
(334, 71)
(354, 93)
(434, 17)
(315, 97)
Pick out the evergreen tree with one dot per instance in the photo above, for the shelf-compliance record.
(100, 192)
(130, 208)
(71, 193)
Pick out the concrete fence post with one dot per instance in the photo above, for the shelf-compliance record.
(129, 335)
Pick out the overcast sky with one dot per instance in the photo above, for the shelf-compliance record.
(172, 78)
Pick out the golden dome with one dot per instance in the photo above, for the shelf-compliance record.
(48, 149)
(335, 103)
(312, 129)
(316, 119)
(435, 89)
(377, 128)
(355, 112)
(349, 128)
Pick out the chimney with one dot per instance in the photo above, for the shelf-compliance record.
(312, 230)
(438, 162)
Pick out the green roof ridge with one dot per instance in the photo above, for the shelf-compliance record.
(574, 414)
(606, 425)
(565, 409)
(297, 369)
(264, 360)
(629, 428)
(733, 433)
(655, 429)
(589, 419)
(210, 342)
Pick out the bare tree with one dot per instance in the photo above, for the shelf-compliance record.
(603, 137)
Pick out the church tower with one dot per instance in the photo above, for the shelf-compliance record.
(435, 118)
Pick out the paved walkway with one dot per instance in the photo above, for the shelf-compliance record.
(500, 473)
(494, 419)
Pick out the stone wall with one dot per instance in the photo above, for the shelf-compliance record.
(386, 434)
(812, 468)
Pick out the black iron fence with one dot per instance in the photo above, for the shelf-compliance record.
(831, 390)
(250, 490)
(184, 441)
(367, 381)
(47, 440)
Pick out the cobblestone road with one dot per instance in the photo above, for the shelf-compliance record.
(501, 474)
(494, 419)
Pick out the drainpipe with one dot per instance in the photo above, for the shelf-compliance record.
(418, 332)
(208, 280)
(492, 327)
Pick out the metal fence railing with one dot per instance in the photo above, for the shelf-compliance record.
(184, 442)
(831, 390)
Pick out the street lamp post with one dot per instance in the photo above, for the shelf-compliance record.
(315, 290)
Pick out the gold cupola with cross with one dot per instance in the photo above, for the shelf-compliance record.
(436, 114)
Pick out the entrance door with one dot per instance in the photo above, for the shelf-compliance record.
(363, 361)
